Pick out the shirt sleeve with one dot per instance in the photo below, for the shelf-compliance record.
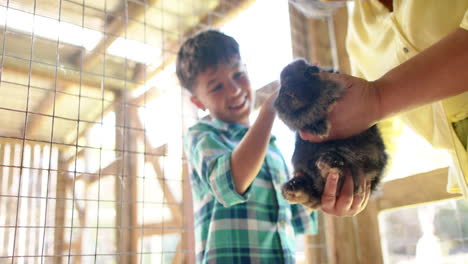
(464, 23)
(211, 158)
(302, 221)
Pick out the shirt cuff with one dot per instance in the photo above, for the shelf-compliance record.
(464, 23)
(222, 183)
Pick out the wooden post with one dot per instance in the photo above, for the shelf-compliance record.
(368, 236)
(125, 187)
(60, 208)
(340, 23)
(9, 202)
(188, 236)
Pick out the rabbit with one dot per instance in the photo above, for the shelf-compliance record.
(302, 104)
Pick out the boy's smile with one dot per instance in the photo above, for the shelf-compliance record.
(225, 91)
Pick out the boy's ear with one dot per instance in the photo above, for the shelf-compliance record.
(197, 102)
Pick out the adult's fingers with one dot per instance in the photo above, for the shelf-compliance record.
(329, 192)
(345, 199)
(366, 198)
(361, 197)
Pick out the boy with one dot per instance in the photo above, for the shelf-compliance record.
(236, 169)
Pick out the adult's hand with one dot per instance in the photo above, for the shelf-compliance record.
(357, 110)
(346, 203)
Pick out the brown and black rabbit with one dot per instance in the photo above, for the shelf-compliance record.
(302, 104)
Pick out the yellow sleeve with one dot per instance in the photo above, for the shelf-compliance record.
(464, 23)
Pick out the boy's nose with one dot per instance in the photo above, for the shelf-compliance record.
(234, 88)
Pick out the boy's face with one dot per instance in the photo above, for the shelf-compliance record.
(225, 91)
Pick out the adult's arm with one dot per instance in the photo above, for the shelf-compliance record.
(438, 72)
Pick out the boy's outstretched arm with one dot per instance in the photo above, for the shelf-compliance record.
(247, 158)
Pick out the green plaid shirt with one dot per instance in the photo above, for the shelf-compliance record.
(257, 227)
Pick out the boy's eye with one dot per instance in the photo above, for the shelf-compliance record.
(237, 75)
(216, 88)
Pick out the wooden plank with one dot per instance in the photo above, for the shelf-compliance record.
(170, 227)
(30, 209)
(10, 204)
(402, 193)
(38, 204)
(4, 231)
(318, 40)
(60, 209)
(368, 235)
(340, 23)
(126, 195)
(188, 236)
(345, 245)
(313, 252)
(122, 222)
(331, 237)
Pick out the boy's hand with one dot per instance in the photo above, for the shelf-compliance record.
(347, 203)
(269, 102)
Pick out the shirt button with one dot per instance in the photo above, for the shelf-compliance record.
(405, 49)
(282, 222)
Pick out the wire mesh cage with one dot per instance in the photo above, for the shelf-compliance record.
(91, 157)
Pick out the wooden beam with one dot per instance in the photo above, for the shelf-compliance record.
(368, 235)
(124, 187)
(116, 28)
(340, 22)
(45, 76)
(10, 203)
(60, 209)
(170, 227)
(401, 193)
(188, 236)
(113, 30)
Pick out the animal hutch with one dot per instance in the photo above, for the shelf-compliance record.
(92, 167)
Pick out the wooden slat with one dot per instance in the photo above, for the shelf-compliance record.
(10, 204)
(169, 227)
(38, 210)
(368, 235)
(188, 219)
(340, 22)
(402, 193)
(331, 238)
(60, 209)
(30, 209)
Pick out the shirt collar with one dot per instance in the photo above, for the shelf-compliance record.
(233, 129)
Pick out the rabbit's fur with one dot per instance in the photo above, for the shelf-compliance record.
(302, 104)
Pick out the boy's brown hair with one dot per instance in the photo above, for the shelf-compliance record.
(204, 50)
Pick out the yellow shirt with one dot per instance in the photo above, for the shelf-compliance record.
(379, 40)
